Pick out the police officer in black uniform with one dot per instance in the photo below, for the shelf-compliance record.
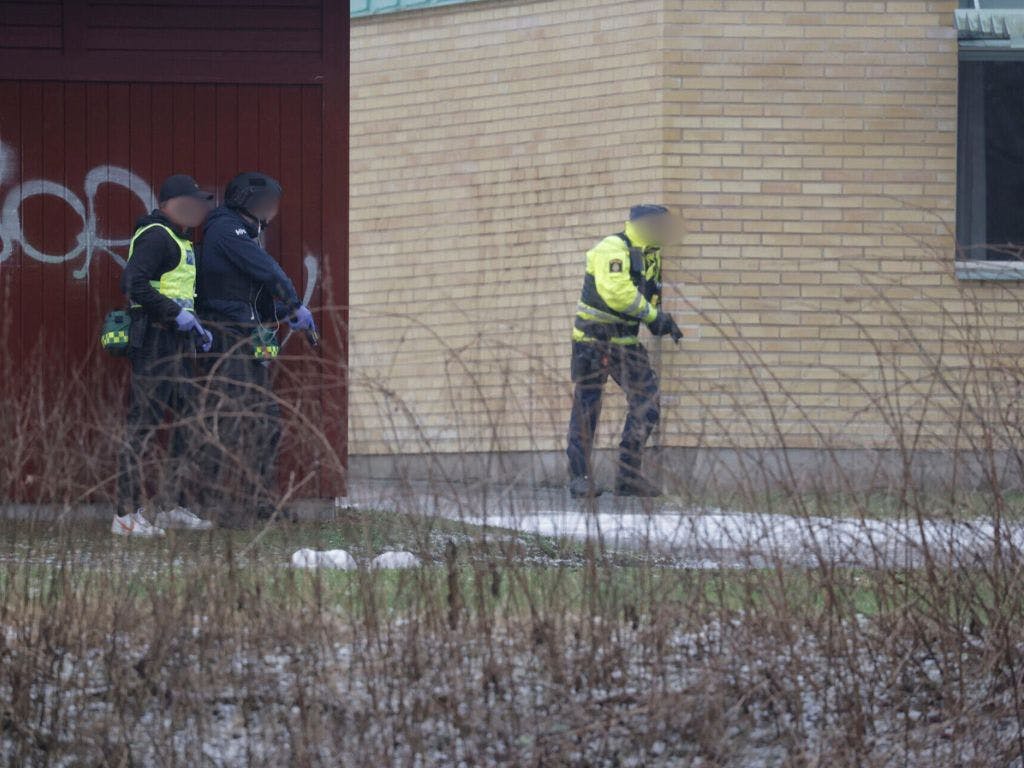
(243, 296)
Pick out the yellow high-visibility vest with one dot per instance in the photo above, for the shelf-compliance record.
(179, 284)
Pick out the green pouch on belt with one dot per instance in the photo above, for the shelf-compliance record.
(117, 326)
(265, 345)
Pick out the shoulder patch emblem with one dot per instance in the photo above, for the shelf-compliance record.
(615, 265)
(241, 232)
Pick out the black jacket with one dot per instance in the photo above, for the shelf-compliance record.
(154, 254)
(239, 282)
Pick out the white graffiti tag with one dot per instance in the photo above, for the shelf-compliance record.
(89, 240)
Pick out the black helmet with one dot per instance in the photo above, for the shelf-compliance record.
(249, 188)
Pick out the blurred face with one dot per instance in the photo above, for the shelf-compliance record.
(265, 209)
(658, 230)
(187, 212)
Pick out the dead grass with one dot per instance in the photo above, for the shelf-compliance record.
(504, 649)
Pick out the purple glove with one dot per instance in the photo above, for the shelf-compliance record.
(188, 323)
(302, 320)
(205, 339)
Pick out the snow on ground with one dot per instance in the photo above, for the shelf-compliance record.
(391, 560)
(337, 559)
(341, 560)
(698, 537)
(768, 537)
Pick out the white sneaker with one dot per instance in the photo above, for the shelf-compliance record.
(134, 525)
(184, 518)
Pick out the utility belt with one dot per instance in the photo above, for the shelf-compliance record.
(125, 330)
(188, 304)
(142, 324)
(602, 331)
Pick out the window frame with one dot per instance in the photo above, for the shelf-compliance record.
(981, 49)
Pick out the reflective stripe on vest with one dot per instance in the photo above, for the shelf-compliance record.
(179, 284)
(622, 341)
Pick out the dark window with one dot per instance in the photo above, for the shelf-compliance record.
(990, 161)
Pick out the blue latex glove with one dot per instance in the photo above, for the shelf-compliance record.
(189, 323)
(205, 339)
(302, 320)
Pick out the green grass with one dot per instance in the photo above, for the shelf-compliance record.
(363, 533)
(494, 570)
(488, 570)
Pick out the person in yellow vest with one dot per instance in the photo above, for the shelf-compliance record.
(621, 291)
(159, 280)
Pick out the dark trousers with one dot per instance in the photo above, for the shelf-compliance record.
(161, 387)
(242, 428)
(630, 368)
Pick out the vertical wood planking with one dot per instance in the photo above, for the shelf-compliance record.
(77, 111)
(334, 208)
(226, 133)
(267, 134)
(10, 176)
(248, 116)
(182, 118)
(204, 132)
(162, 130)
(284, 163)
(30, 272)
(51, 234)
(78, 330)
(118, 153)
(290, 176)
(311, 154)
(140, 144)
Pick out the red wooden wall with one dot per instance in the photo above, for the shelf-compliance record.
(100, 100)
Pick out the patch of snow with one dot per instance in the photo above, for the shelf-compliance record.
(337, 559)
(770, 537)
(395, 559)
(305, 558)
(695, 537)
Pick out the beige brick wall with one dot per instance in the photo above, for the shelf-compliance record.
(809, 144)
(812, 148)
(491, 144)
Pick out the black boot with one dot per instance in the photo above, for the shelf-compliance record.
(631, 481)
(583, 487)
(636, 485)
